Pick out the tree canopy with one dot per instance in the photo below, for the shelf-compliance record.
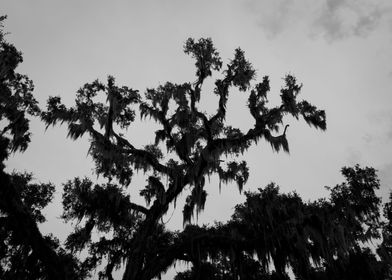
(24, 252)
(267, 236)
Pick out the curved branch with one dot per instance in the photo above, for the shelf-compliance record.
(138, 208)
(27, 229)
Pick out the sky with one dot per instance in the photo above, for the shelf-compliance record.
(341, 50)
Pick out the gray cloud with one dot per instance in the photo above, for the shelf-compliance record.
(276, 18)
(353, 156)
(389, 127)
(339, 19)
(389, 130)
(332, 19)
(368, 138)
(382, 119)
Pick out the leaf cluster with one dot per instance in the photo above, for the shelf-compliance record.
(267, 234)
(24, 252)
(272, 231)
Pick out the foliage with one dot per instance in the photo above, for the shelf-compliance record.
(195, 143)
(323, 239)
(16, 99)
(385, 249)
(267, 235)
(24, 252)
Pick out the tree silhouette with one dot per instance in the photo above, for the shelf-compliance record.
(323, 239)
(195, 145)
(24, 252)
(265, 236)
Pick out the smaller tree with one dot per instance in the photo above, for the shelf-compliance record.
(24, 252)
(324, 239)
(385, 249)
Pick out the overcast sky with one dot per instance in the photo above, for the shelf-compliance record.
(341, 50)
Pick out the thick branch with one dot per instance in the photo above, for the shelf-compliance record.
(138, 208)
(26, 228)
(158, 115)
(138, 153)
(222, 88)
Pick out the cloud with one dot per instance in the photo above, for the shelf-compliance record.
(353, 156)
(368, 138)
(389, 127)
(275, 16)
(383, 120)
(339, 19)
(332, 19)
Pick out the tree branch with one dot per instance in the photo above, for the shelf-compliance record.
(138, 208)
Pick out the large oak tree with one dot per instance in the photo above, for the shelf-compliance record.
(268, 235)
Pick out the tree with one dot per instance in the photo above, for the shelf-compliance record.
(267, 234)
(324, 239)
(195, 143)
(24, 252)
(385, 249)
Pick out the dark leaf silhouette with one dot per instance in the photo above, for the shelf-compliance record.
(267, 235)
